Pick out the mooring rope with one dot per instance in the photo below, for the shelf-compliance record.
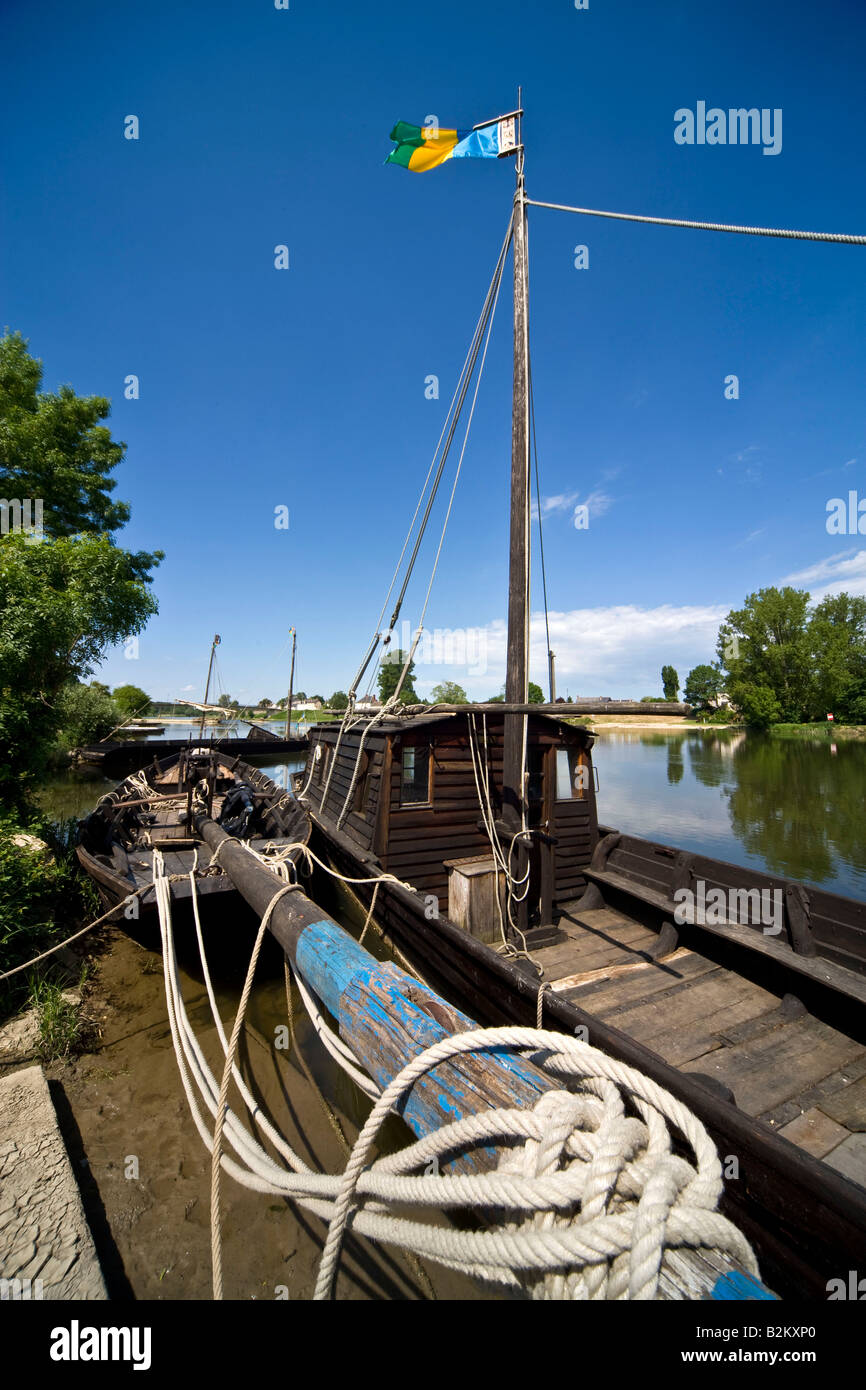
(75, 935)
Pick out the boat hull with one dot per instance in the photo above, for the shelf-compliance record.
(806, 1221)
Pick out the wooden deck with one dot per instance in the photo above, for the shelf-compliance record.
(783, 1065)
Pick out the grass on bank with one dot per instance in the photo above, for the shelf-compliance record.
(826, 731)
(43, 898)
(62, 1027)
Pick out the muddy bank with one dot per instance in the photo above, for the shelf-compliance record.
(143, 1170)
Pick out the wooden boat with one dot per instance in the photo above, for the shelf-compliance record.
(113, 758)
(152, 810)
(515, 903)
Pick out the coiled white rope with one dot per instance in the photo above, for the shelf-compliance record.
(587, 1199)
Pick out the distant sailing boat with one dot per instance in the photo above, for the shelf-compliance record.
(522, 908)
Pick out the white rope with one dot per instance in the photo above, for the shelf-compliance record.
(706, 226)
(636, 1198)
(501, 862)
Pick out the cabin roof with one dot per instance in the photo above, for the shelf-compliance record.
(423, 719)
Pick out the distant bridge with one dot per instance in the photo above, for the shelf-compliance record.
(661, 707)
(567, 711)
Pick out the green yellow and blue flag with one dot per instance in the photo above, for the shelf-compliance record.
(420, 148)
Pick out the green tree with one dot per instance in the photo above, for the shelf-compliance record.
(225, 701)
(130, 699)
(837, 643)
(53, 447)
(765, 647)
(757, 703)
(85, 714)
(536, 694)
(670, 682)
(66, 599)
(64, 603)
(264, 703)
(704, 685)
(339, 700)
(389, 675)
(448, 693)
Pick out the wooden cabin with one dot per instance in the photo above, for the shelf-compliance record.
(405, 792)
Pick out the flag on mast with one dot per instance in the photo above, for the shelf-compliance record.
(419, 148)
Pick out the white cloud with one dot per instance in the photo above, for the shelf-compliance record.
(598, 502)
(617, 651)
(752, 536)
(559, 502)
(845, 571)
(185, 689)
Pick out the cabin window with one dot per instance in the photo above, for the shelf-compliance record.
(535, 768)
(415, 783)
(572, 774)
(359, 799)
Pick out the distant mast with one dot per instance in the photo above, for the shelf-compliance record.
(291, 686)
(516, 682)
(214, 644)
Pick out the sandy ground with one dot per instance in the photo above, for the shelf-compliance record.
(648, 721)
(144, 1173)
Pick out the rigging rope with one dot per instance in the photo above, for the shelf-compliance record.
(849, 238)
(449, 427)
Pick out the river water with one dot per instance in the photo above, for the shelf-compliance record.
(789, 807)
(786, 806)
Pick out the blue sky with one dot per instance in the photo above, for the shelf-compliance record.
(306, 388)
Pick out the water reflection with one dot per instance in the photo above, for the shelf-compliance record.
(789, 807)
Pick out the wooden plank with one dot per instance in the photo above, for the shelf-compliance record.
(568, 959)
(673, 1027)
(848, 1106)
(815, 1132)
(571, 984)
(816, 1095)
(814, 968)
(849, 1159)
(622, 930)
(770, 1069)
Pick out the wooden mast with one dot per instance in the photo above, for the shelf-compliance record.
(291, 686)
(213, 647)
(516, 682)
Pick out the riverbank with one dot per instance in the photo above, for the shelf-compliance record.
(674, 722)
(825, 731)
